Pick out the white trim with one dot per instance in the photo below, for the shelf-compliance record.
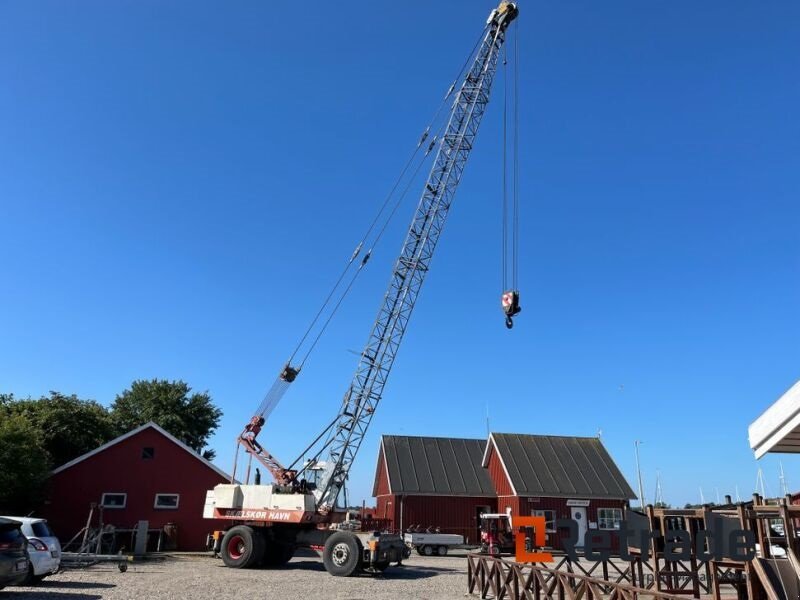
(386, 467)
(132, 433)
(177, 501)
(113, 506)
(485, 462)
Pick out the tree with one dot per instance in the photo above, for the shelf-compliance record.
(24, 466)
(190, 418)
(68, 426)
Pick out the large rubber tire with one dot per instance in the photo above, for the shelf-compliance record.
(242, 547)
(441, 551)
(342, 554)
(427, 550)
(277, 554)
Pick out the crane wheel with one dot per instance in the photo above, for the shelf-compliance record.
(342, 554)
(242, 547)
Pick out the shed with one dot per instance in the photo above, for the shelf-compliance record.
(557, 477)
(431, 482)
(146, 474)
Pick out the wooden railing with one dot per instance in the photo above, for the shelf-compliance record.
(497, 578)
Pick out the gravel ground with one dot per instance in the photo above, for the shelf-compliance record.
(200, 577)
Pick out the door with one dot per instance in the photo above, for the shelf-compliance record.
(579, 516)
(479, 510)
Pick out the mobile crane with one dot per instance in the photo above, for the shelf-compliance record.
(268, 522)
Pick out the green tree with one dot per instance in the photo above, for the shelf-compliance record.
(67, 425)
(190, 417)
(24, 466)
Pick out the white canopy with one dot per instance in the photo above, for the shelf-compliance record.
(778, 428)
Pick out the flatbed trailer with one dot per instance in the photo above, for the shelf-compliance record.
(430, 544)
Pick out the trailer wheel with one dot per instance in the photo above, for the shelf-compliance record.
(342, 554)
(242, 547)
(442, 550)
(427, 550)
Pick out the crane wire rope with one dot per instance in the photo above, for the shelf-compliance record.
(505, 170)
(387, 199)
(288, 374)
(515, 174)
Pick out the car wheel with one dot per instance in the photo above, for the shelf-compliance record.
(442, 550)
(30, 578)
(427, 550)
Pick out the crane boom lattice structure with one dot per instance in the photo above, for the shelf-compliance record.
(366, 389)
(270, 521)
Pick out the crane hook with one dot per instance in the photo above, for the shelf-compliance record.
(510, 303)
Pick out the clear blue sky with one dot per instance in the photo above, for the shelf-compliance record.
(180, 183)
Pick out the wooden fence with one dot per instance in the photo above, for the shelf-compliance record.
(496, 578)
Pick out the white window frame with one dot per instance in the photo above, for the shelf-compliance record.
(158, 506)
(602, 521)
(542, 513)
(114, 506)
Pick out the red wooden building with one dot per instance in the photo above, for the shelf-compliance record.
(144, 475)
(424, 481)
(447, 483)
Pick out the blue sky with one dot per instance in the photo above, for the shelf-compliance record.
(181, 182)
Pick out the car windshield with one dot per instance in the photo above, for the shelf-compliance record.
(42, 529)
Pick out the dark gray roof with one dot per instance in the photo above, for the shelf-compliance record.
(560, 466)
(436, 466)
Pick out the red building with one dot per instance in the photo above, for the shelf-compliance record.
(447, 483)
(144, 475)
(433, 482)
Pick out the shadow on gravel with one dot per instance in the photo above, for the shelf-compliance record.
(42, 595)
(74, 585)
(410, 573)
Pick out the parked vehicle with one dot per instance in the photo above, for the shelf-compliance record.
(428, 544)
(496, 533)
(44, 549)
(13, 553)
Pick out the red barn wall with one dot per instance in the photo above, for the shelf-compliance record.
(120, 468)
(452, 514)
(526, 506)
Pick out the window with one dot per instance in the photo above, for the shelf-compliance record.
(549, 518)
(609, 518)
(148, 453)
(167, 501)
(41, 529)
(114, 500)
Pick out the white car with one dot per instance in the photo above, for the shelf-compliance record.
(44, 548)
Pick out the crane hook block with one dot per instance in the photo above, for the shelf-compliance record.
(289, 373)
(510, 303)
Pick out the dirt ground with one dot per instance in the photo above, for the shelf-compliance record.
(199, 577)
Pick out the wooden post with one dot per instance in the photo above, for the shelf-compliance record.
(654, 550)
(753, 588)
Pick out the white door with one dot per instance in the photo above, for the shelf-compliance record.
(579, 516)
